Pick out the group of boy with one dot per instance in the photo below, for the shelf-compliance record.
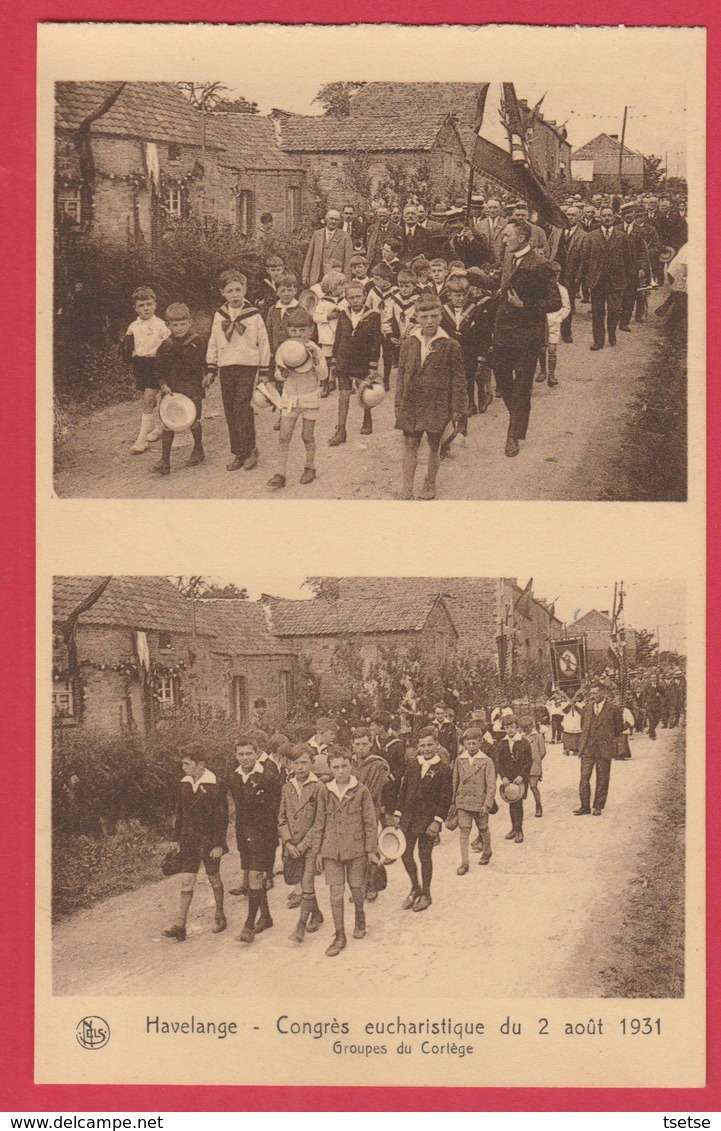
(325, 805)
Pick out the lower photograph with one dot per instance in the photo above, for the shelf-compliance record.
(358, 818)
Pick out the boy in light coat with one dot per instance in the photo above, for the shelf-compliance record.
(474, 791)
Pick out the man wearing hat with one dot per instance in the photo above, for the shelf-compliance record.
(640, 274)
(601, 726)
(519, 334)
(423, 803)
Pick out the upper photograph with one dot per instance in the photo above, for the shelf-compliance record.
(388, 290)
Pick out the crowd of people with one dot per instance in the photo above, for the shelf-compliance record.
(346, 809)
(452, 309)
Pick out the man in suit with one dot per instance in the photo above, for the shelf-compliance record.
(601, 725)
(641, 265)
(355, 227)
(520, 330)
(567, 247)
(414, 239)
(423, 803)
(490, 229)
(438, 242)
(537, 240)
(327, 245)
(608, 269)
(378, 233)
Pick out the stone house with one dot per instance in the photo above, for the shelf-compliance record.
(320, 627)
(495, 619)
(548, 146)
(605, 152)
(152, 160)
(596, 627)
(144, 650)
(350, 158)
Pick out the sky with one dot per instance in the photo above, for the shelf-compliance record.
(657, 604)
(656, 121)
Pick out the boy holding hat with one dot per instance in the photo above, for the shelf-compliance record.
(356, 354)
(255, 789)
(180, 362)
(140, 346)
(515, 762)
(301, 379)
(423, 804)
(239, 350)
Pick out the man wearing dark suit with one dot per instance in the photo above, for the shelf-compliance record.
(423, 803)
(601, 726)
(490, 229)
(437, 239)
(414, 239)
(567, 249)
(378, 233)
(355, 228)
(641, 265)
(608, 269)
(520, 329)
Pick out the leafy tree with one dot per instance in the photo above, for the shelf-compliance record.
(677, 185)
(238, 105)
(646, 647)
(357, 179)
(653, 174)
(207, 587)
(335, 97)
(323, 586)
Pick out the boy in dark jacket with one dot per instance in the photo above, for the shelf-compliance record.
(201, 828)
(300, 825)
(256, 792)
(180, 368)
(356, 353)
(349, 841)
(372, 769)
(515, 762)
(423, 803)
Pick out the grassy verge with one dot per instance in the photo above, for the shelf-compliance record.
(647, 947)
(86, 871)
(653, 463)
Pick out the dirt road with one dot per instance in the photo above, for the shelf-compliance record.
(537, 914)
(574, 438)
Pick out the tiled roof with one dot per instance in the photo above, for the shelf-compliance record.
(368, 132)
(591, 147)
(131, 602)
(250, 142)
(153, 111)
(240, 628)
(404, 99)
(328, 616)
(471, 602)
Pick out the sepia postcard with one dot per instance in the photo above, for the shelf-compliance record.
(339, 790)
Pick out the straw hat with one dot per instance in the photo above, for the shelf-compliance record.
(177, 412)
(512, 792)
(372, 395)
(391, 844)
(292, 354)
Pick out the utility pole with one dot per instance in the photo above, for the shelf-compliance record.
(620, 155)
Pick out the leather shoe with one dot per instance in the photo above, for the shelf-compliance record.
(371, 895)
(247, 935)
(462, 870)
(582, 812)
(485, 859)
(176, 932)
(552, 382)
(519, 838)
(294, 900)
(316, 920)
(308, 476)
(422, 903)
(263, 924)
(512, 446)
(611, 339)
(593, 348)
(511, 835)
(252, 461)
(235, 464)
(338, 944)
(626, 329)
(220, 924)
(597, 812)
(237, 891)
(409, 902)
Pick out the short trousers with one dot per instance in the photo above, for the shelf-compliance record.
(145, 373)
(338, 871)
(256, 857)
(302, 413)
(345, 380)
(534, 779)
(467, 816)
(191, 856)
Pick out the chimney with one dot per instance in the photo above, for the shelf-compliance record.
(613, 137)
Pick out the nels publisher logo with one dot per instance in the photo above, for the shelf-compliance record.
(92, 1032)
